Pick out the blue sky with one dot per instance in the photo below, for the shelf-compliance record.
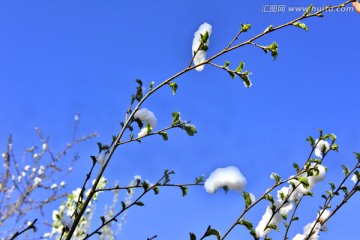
(58, 58)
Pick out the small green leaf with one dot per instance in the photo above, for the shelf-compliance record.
(151, 86)
(174, 87)
(156, 190)
(245, 27)
(297, 168)
(100, 146)
(176, 118)
(270, 198)
(148, 129)
(311, 140)
(192, 236)
(245, 78)
(246, 223)
(273, 226)
(164, 135)
(304, 181)
(212, 232)
(335, 147)
(301, 25)
(240, 67)
(139, 203)
(139, 82)
(184, 190)
(227, 63)
(344, 189)
(308, 10)
(345, 170)
(93, 158)
(276, 177)
(102, 219)
(199, 179)
(145, 185)
(273, 48)
(190, 129)
(247, 199)
(268, 29)
(123, 205)
(332, 185)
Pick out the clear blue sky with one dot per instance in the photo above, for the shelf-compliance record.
(61, 57)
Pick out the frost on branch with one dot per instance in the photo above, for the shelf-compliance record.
(228, 177)
(200, 44)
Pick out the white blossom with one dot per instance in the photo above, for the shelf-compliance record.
(146, 116)
(229, 177)
(320, 144)
(354, 178)
(201, 54)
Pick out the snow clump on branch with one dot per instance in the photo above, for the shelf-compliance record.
(204, 30)
(146, 116)
(229, 177)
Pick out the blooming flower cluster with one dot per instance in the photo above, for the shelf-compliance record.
(229, 177)
(201, 54)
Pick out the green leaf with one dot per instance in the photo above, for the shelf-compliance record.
(139, 123)
(123, 205)
(192, 236)
(184, 190)
(139, 82)
(297, 168)
(301, 25)
(199, 179)
(164, 135)
(148, 129)
(176, 118)
(268, 29)
(203, 39)
(190, 129)
(247, 199)
(100, 146)
(151, 86)
(139, 203)
(145, 185)
(240, 67)
(245, 27)
(344, 189)
(304, 181)
(273, 48)
(227, 63)
(174, 87)
(246, 80)
(212, 232)
(273, 226)
(276, 177)
(102, 219)
(246, 223)
(156, 190)
(335, 147)
(332, 185)
(311, 140)
(345, 170)
(270, 198)
(93, 158)
(308, 10)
